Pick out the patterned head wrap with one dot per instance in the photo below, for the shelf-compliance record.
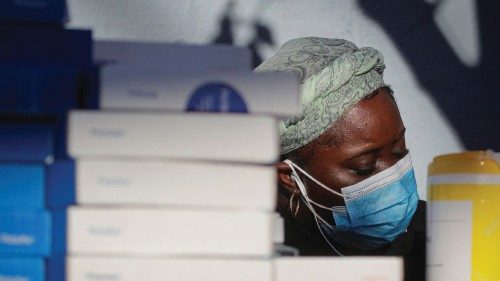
(333, 74)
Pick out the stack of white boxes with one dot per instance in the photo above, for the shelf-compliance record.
(165, 194)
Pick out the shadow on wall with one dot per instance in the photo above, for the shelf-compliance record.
(468, 96)
(262, 34)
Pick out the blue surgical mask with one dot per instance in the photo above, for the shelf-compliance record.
(376, 211)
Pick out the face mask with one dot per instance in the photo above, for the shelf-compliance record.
(376, 211)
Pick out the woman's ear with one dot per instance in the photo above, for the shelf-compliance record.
(285, 177)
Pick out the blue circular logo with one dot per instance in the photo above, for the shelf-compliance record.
(216, 97)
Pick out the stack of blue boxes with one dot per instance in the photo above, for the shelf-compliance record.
(45, 70)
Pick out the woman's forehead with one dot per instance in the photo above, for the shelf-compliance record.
(372, 120)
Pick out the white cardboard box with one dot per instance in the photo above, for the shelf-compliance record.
(130, 87)
(162, 232)
(143, 269)
(279, 229)
(175, 183)
(339, 268)
(203, 136)
(177, 57)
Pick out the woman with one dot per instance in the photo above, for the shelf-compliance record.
(347, 186)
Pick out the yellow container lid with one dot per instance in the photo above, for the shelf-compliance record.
(470, 162)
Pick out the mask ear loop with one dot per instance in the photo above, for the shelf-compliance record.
(294, 166)
(308, 201)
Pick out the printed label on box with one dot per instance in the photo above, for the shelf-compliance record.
(216, 97)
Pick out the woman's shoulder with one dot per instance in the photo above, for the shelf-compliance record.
(418, 223)
(304, 238)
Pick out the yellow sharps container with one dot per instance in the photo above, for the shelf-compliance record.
(464, 217)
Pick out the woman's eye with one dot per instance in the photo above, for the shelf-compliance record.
(401, 153)
(364, 172)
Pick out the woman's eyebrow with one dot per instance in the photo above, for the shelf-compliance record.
(376, 149)
(400, 135)
(365, 152)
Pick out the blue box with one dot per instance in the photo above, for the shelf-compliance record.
(59, 223)
(55, 268)
(26, 142)
(45, 45)
(60, 184)
(39, 89)
(37, 11)
(26, 232)
(22, 185)
(60, 136)
(28, 268)
(22, 268)
(37, 186)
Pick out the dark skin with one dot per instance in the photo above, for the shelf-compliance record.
(366, 140)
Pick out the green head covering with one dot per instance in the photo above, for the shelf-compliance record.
(334, 75)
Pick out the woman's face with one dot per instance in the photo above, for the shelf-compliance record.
(366, 140)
